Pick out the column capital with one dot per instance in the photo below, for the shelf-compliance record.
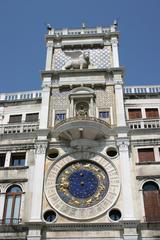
(46, 85)
(41, 147)
(118, 80)
(114, 41)
(50, 44)
(123, 144)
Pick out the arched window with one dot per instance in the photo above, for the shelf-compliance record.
(151, 197)
(12, 205)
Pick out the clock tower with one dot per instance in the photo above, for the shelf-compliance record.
(83, 165)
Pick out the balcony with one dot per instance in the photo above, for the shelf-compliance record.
(13, 128)
(143, 124)
(10, 221)
(75, 128)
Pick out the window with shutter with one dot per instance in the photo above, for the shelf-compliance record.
(146, 155)
(152, 113)
(32, 117)
(15, 118)
(151, 197)
(134, 113)
(12, 205)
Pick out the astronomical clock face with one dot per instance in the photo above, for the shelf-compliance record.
(82, 185)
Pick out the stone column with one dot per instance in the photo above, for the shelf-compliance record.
(91, 110)
(38, 180)
(71, 107)
(49, 55)
(125, 168)
(115, 55)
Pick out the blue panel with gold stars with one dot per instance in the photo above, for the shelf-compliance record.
(82, 184)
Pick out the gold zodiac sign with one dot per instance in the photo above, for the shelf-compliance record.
(73, 201)
(64, 185)
(101, 176)
(87, 165)
(101, 187)
(95, 169)
(89, 201)
(97, 195)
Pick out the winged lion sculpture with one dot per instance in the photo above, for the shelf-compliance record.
(79, 60)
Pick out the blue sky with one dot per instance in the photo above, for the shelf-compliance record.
(22, 41)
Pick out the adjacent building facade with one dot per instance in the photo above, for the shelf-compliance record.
(80, 158)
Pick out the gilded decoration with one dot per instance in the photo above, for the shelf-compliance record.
(82, 185)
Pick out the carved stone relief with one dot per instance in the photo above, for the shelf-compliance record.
(98, 58)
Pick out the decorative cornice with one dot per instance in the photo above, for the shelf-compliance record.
(51, 73)
(67, 227)
(107, 35)
(17, 147)
(148, 163)
(145, 142)
(147, 177)
(14, 168)
(150, 226)
(13, 180)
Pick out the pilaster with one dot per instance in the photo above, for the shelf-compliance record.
(49, 55)
(128, 208)
(114, 42)
(44, 113)
(119, 102)
(38, 179)
(34, 234)
(1, 114)
(130, 230)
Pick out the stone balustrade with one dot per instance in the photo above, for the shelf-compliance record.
(18, 128)
(143, 124)
(82, 31)
(28, 95)
(142, 89)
